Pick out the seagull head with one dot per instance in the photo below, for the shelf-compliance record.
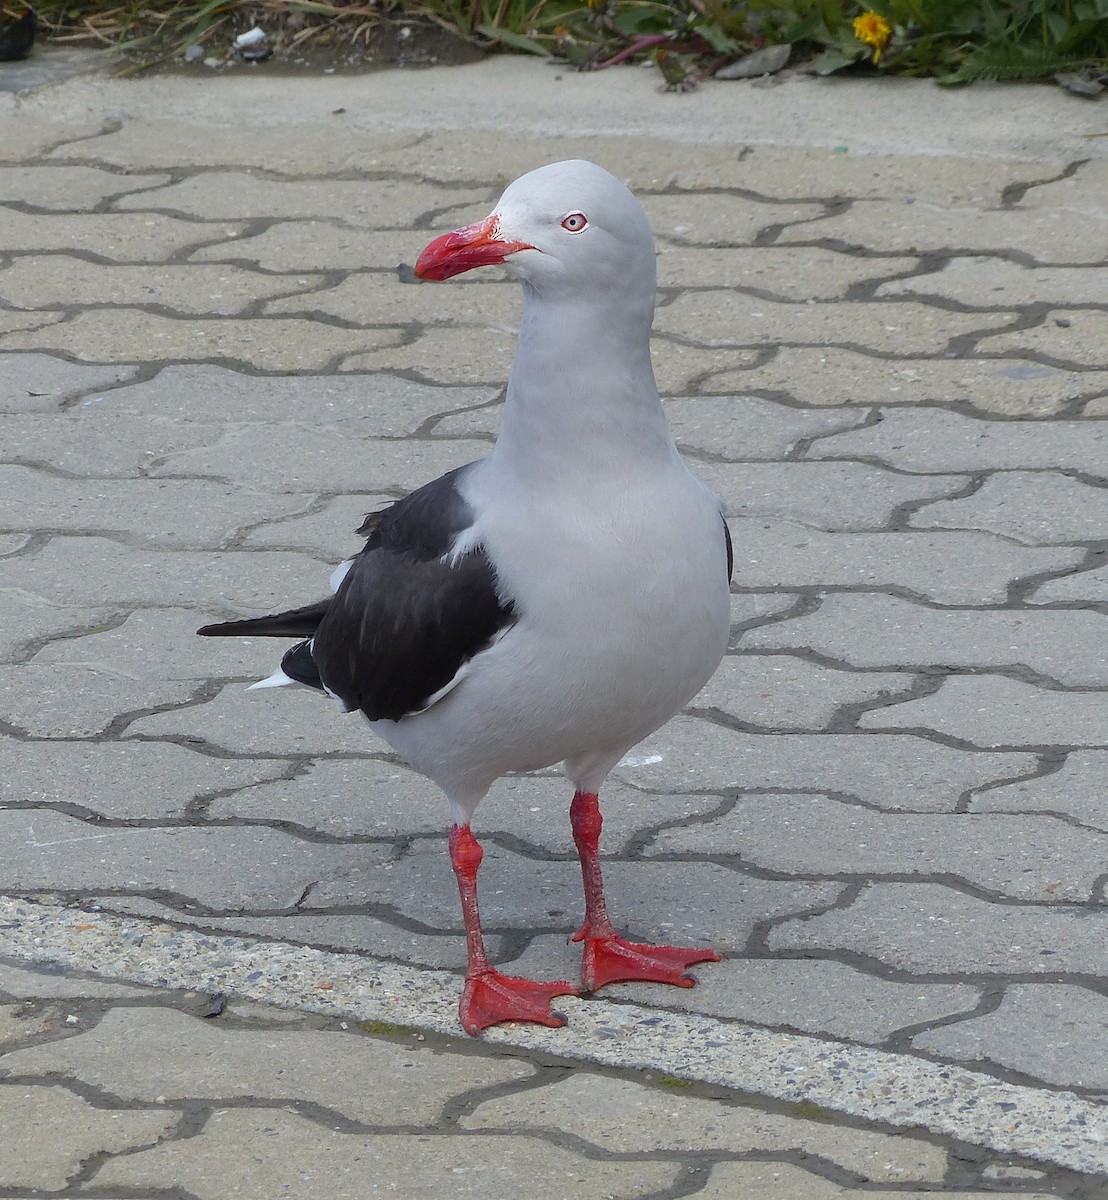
(570, 226)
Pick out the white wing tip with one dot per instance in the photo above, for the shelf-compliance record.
(277, 679)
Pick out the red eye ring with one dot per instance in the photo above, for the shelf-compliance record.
(574, 222)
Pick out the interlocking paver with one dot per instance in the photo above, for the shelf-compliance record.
(844, 496)
(1044, 235)
(200, 1059)
(1057, 1032)
(872, 630)
(1024, 857)
(48, 1131)
(616, 1115)
(1077, 789)
(928, 928)
(41, 382)
(46, 850)
(122, 781)
(834, 375)
(706, 317)
(332, 1165)
(969, 279)
(992, 710)
(888, 771)
(209, 371)
(930, 439)
(782, 692)
(1034, 507)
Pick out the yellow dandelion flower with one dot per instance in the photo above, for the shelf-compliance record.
(873, 30)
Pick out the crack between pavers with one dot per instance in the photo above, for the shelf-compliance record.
(1013, 194)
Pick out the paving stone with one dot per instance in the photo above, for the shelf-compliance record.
(68, 189)
(748, 428)
(949, 568)
(149, 140)
(932, 439)
(270, 344)
(1066, 335)
(117, 237)
(89, 440)
(244, 1152)
(892, 772)
(60, 280)
(44, 983)
(122, 780)
(992, 710)
(328, 531)
(67, 701)
(619, 1116)
(907, 329)
(702, 219)
(382, 406)
(325, 245)
(782, 692)
(161, 643)
(161, 513)
(871, 630)
(1081, 190)
(1088, 587)
(49, 1132)
(1055, 1032)
(17, 1024)
(1034, 507)
(289, 457)
(1045, 235)
(271, 870)
(17, 322)
(448, 355)
(835, 375)
(30, 620)
(928, 928)
(681, 369)
(1024, 857)
(42, 383)
(768, 1181)
(651, 900)
(99, 571)
(368, 798)
(849, 496)
(182, 1058)
(817, 996)
(789, 170)
(382, 204)
(777, 272)
(972, 279)
(753, 609)
(34, 135)
(378, 298)
(1077, 789)
(288, 722)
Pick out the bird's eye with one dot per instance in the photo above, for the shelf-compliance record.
(575, 222)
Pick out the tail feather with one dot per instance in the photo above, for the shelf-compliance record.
(296, 623)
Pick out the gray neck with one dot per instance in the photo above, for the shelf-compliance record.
(581, 396)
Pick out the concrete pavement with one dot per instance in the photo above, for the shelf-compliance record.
(882, 328)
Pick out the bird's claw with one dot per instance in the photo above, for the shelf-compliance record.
(490, 997)
(608, 958)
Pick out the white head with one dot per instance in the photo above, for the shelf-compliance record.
(570, 227)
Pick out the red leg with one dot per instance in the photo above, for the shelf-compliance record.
(608, 958)
(489, 996)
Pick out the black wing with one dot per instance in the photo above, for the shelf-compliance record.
(403, 621)
(730, 549)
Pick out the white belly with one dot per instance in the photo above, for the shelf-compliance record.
(621, 622)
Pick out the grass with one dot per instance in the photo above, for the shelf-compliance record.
(954, 41)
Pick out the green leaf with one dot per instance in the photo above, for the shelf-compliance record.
(833, 60)
(516, 40)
